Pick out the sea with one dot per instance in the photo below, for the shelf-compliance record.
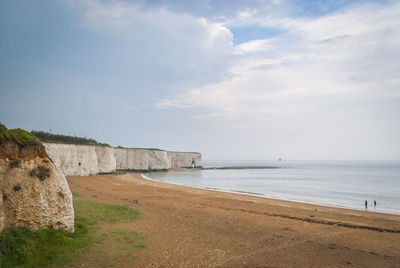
(345, 184)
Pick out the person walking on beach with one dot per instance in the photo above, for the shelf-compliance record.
(366, 204)
(375, 203)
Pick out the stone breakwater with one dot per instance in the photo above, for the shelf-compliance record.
(84, 160)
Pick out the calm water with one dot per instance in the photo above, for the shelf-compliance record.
(334, 183)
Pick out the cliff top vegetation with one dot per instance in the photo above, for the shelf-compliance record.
(18, 135)
(57, 138)
(137, 148)
(4, 132)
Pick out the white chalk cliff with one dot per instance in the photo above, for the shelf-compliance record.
(81, 160)
(140, 159)
(184, 159)
(84, 160)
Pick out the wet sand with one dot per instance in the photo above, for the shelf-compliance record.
(187, 227)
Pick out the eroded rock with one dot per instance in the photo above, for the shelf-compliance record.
(81, 160)
(34, 193)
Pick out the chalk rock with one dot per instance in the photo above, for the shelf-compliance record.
(141, 159)
(184, 159)
(106, 159)
(33, 192)
(81, 160)
(73, 160)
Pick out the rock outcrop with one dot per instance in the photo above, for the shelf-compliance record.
(184, 160)
(81, 160)
(140, 159)
(105, 159)
(33, 192)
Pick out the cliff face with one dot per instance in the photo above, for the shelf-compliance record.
(33, 192)
(105, 159)
(181, 160)
(84, 160)
(140, 159)
(81, 160)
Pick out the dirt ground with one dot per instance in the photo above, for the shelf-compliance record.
(186, 227)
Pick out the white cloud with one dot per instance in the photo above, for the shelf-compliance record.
(340, 54)
(322, 77)
(253, 46)
(176, 48)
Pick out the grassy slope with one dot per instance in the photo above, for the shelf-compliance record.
(18, 135)
(22, 136)
(90, 244)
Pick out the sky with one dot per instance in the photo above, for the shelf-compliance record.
(232, 79)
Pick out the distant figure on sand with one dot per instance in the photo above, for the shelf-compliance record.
(375, 203)
(366, 204)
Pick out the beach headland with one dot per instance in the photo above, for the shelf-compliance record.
(188, 227)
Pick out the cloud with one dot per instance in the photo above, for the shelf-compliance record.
(253, 46)
(320, 76)
(177, 48)
(341, 55)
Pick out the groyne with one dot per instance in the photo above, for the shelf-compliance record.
(84, 160)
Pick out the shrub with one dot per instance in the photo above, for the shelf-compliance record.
(4, 135)
(41, 172)
(57, 138)
(15, 163)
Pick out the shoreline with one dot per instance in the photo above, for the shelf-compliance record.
(186, 227)
(296, 203)
(260, 195)
(240, 167)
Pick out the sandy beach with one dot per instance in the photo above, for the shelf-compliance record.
(187, 227)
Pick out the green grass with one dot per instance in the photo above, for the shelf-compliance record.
(75, 194)
(110, 247)
(103, 144)
(18, 135)
(92, 213)
(22, 136)
(90, 244)
(21, 247)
